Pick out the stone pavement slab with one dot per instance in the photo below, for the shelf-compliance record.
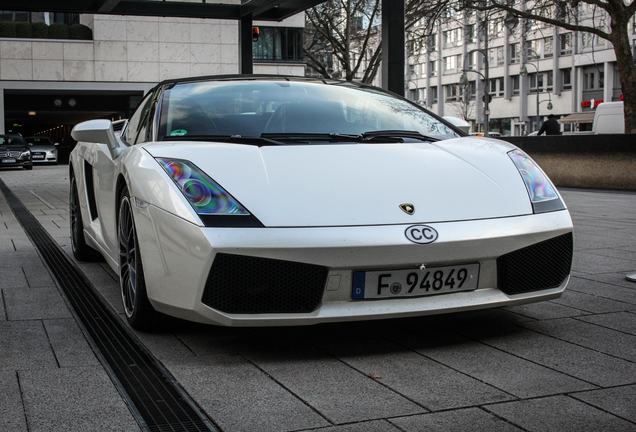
(73, 399)
(507, 372)
(620, 401)
(583, 363)
(559, 413)
(242, 397)
(12, 416)
(338, 392)
(34, 303)
(470, 419)
(424, 381)
(25, 345)
(588, 335)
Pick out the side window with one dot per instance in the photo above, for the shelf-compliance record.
(137, 119)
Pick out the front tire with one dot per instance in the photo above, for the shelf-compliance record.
(139, 312)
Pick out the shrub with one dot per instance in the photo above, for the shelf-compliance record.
(40, 30)
(58, 31)
(80, 31)
(7, 29)
(23, 29)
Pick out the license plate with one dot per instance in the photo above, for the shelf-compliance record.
(38, 156)
(414, 282)
(8, 160)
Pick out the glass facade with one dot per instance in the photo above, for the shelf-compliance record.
(279, 44)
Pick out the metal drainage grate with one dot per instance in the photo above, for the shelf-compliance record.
(156, 400)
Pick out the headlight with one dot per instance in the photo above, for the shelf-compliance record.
(213, 204)
(542, 192)
(25, 154)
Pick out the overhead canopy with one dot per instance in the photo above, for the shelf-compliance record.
(586, 117)
(268, 10)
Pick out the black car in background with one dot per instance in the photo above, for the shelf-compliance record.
(14, 152)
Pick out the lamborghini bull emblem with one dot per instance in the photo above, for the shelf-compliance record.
(409, 209)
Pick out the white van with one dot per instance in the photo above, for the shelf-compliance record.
(609, 118)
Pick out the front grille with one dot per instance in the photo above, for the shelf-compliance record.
(537, 267)
(242, 284)
(11, 154)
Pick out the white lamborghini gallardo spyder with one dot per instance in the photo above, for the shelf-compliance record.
(262, 200)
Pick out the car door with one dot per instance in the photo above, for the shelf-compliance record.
(106, 170)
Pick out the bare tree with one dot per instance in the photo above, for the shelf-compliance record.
(347, 32)
(463, 106)
(609, 20)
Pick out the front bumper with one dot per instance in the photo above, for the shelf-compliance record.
(45, 156)
(17, 163)
(177, 258)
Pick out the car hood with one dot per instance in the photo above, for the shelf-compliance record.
(13, 148)
(42, 147)
(363, 184)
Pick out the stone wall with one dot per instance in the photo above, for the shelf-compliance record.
(588, 161)
(135, 49)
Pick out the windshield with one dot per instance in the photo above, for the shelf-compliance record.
(39, 141)
(11, 141)
(252, 108)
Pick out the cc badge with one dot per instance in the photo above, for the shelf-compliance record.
(421, 234)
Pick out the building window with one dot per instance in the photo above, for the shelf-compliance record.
(550, 79)
(432, 68)
(45, 17)
(567, 78)
(471, 61)
(516, 85)
(500, 56)
(432, 42)
(532, 50)
(566, 44)
(514, 53)
(412, 71)
(589, 81)
(279, 44)
(470, 34)
(452, 38)
(434, 95)
(601, 80)
(452, 63)
(450, 92)
(548, 47)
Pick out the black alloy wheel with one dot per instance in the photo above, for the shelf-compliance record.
(139, 312)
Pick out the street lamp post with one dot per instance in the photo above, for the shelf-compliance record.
(463, 82)
(523, 71)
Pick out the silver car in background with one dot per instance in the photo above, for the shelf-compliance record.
(43, 149)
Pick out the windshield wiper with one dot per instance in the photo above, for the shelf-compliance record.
(375, 135)
(304, 137)
(238, 139)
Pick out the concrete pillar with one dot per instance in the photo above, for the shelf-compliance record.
(608, 89)
(1, 111)
(393, 42)
(246, 58)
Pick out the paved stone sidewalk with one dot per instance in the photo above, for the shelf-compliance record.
(566, 365)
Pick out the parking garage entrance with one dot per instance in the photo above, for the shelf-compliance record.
(54, 113)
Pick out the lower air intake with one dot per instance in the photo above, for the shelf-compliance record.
(537, 267)
(242, 284)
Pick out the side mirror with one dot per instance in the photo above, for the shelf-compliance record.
(98, 132)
